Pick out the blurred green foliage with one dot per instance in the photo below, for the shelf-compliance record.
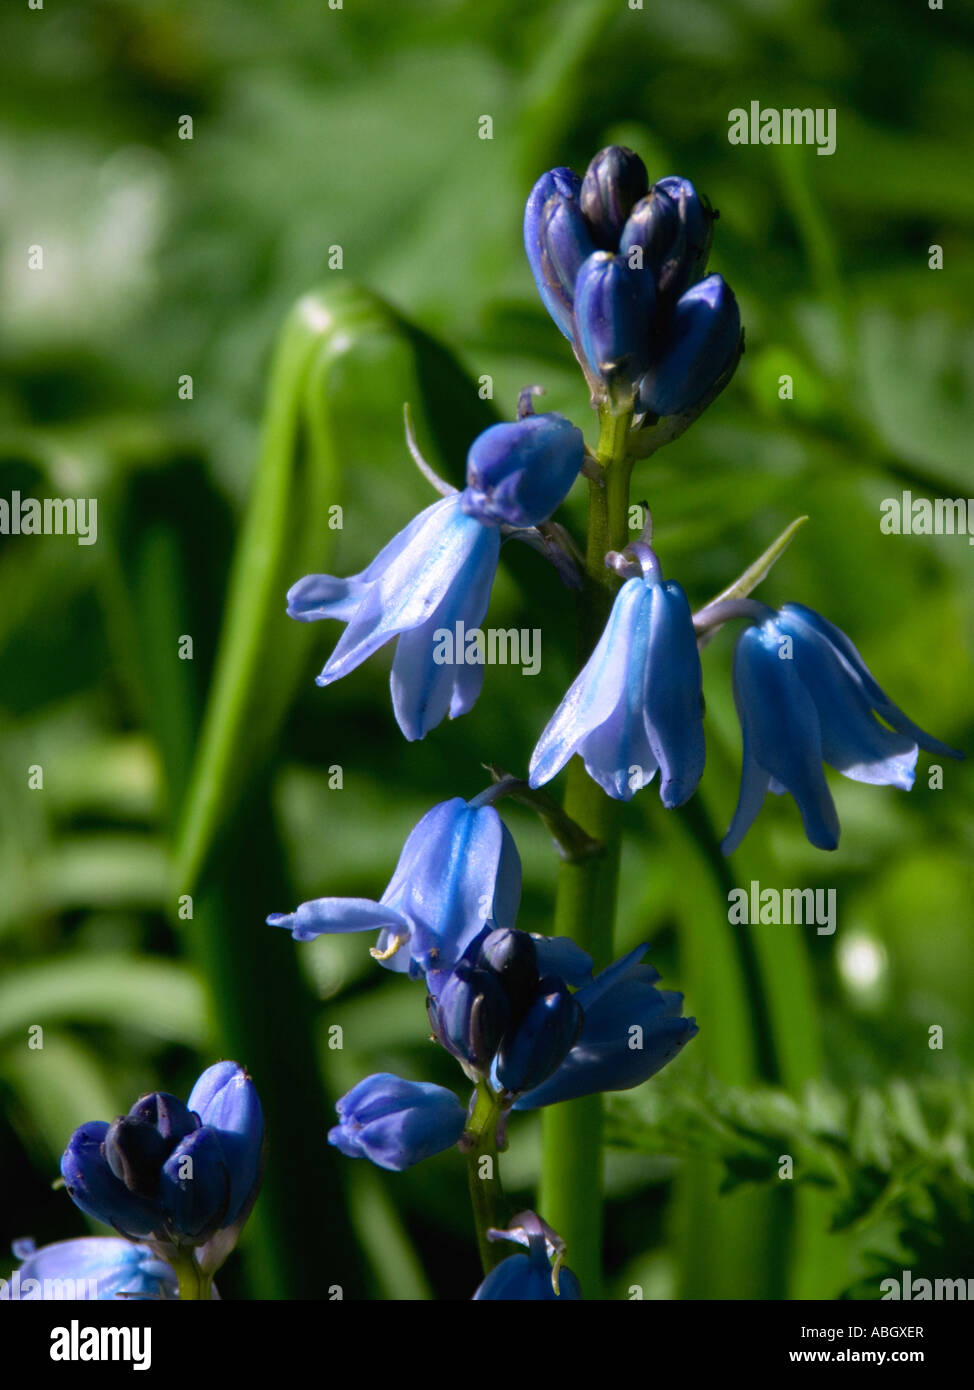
(164, 257)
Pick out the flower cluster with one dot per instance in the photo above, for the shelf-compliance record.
(619, 267)
(523, 1014)
(175, 1180)
(173, 1173)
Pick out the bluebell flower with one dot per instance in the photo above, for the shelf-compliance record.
(436, 575)
(620, 268)
(637, 705)
(530, 1276)
(397, 1123)
(458, 869)
(102, 1267)
(805, 697)
(630, 1030)
(177, 1173)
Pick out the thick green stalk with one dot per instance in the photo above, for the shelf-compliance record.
(193, 1283)
(585, 902)
(483, 1175)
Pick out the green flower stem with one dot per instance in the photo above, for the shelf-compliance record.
(483, 1174)
(193, 1283)
(585, 902)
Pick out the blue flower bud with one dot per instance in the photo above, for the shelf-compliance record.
(511, 956)
(542, 1040)
(630, 1031)
(614, 318)
(673, 226)
(566, 242)
(135, 1152)
(471, 1015)
(563, 184)
(167, 1114)
(93, 1187)
(517, 474)
(701, 348)
(614, 182)
(397, 1123)
(194, 1185)
(226, 1100)
(175, 1172)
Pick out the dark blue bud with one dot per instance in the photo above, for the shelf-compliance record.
(511, 956)
(94, 1188)
(701, 348)
(472, 1013)
(613, 184)
(194, 1186)
(517, 474)
(614, 317)
(168, 1114)
(566, 242)
(565, 184)
(673, 228)
(654, 227)
(135, 1152)
(542, 1040)
(687, 258)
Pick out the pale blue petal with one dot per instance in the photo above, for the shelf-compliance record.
(674, 695)
(412, 586)
(423, 690)
(783, 729)
(814, 623)
(597, 690)
(328, 915)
